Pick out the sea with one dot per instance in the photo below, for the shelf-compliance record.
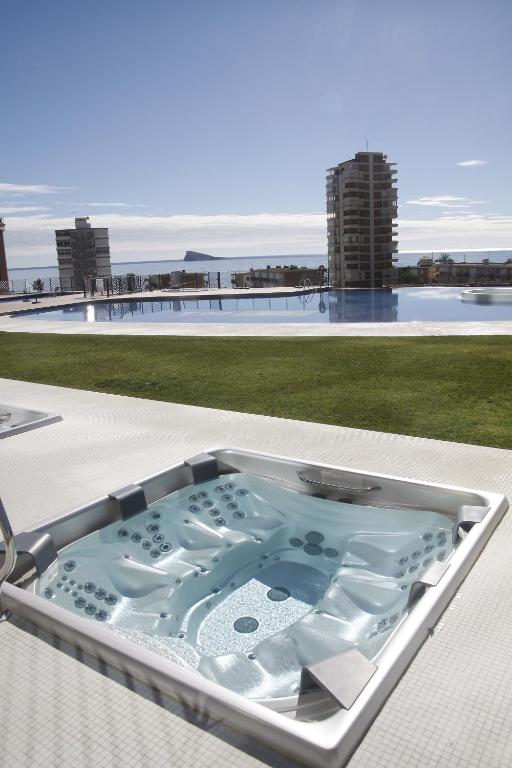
(242, 264)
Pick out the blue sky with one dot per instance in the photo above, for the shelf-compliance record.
(208, 124)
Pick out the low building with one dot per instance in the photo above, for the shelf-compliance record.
(428, 272)
(485, 272)
(279, 277)
(82, 253)
(179, 280)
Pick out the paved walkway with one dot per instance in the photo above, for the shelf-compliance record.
(59, 708)
(488, 328)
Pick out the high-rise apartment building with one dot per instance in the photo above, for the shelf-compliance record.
(4, 277)
(361, 206)
(82, 252)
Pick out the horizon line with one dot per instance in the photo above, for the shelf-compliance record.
(276, 256)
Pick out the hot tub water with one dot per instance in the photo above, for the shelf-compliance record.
(247, 582)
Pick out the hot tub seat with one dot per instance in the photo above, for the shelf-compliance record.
(232, 579)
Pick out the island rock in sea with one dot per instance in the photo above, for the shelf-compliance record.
(195, 256)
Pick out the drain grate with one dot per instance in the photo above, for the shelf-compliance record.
(278, 593)
(246, 624)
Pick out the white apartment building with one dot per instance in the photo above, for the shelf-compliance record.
(81, 253)
(361, 206)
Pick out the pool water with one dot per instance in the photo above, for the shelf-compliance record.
(329, 306)
(247, 582)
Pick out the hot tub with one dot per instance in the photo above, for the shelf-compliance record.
(486, 295)
(283, 597)
(15, 420)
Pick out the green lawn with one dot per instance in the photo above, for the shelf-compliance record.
(454, 388)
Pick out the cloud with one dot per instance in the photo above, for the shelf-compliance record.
(30, 239)
(110, 205)
(29, 189)
(459, 231)
(10, 209)
(467, 163)
(444, 201)
(150, 237)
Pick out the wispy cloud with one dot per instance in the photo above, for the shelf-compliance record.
(472, 162)
(10, 209)
(444, 201)
(459, 231)
(146, 237)
(29, 189)
(110, 205)
(143, 237)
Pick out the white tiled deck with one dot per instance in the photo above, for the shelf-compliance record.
(452, 708)
(488, 328)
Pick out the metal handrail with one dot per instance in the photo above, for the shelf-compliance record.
(10, 552)
(312, 481)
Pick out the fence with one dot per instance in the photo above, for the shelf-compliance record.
(271, 277)
(38, 286)
(268, 278)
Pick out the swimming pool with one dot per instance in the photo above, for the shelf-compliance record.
(383, 305)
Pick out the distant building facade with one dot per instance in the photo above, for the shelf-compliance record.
(4, 277)
(361, 208)
(485, 272)
(429, 272)
(81, 253)
(287, 276)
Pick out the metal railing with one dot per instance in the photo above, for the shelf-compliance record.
(41, 285)
(10, 554)
(270, 277)
(117, 285)
(181, 280)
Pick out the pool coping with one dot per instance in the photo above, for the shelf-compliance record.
(412, 328)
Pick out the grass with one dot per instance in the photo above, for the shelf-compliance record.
(449, 388)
